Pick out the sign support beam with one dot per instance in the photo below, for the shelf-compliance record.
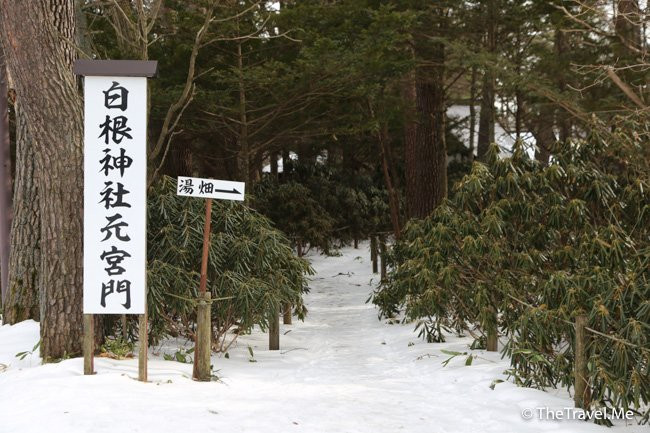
(203, 343)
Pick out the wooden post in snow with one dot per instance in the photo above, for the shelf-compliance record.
(89, 344)
(382, 254)
(203, 344)
(582, 397)
(373, 253)
(274, 331)
(202, 368)
(287, 314)
(492, 339)
(143, 339)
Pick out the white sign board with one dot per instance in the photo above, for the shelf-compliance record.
(115, 199)
(210, 188)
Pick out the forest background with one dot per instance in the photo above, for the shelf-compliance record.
(343, 119)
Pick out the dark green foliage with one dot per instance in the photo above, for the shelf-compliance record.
(293, 210)
(117, 348)
(321, 204)
(540, 244)
(251, 269)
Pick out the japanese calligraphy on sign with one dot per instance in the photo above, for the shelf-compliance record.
(115, 169)
(210, 188)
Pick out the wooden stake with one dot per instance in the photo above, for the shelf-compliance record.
(382, 254)
(287, 314)
(274, 332)
(203, 345)
(143, 338)
(373, 253)
(89, 344)
(206, 245)
(582, 397)
(492, 340)
(492, 343)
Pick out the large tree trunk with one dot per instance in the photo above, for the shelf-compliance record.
(431, 148)
(393, 199)
(22, 303)
(472, 112)
(487, 114)
(563, 116)
(410, 128)
(5, 183)
(542, 130)
(486, 118)
(244, 153)
(36, 36)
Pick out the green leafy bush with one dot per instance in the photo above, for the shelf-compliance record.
(293, 210)
(524, 248)
(117, 348)
(319, 205)
(252, 271)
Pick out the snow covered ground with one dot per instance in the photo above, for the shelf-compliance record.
(342, 370)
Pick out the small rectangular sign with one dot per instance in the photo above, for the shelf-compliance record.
(210, 188)
(115, 198)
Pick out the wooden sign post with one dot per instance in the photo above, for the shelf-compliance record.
(115, 196)
(209, 189)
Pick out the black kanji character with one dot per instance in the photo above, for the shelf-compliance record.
(121, 162)
(115, 226)
(118, 131)
(114, 257)
(186, 186)
(122, 286)
(114, 198)
(116, 97)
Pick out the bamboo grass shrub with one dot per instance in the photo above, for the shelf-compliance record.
(322, 207)
(539, 245)
(293, 210)
(251, 267)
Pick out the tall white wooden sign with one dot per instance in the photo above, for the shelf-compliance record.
(115, 178)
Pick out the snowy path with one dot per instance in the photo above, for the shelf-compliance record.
(342, 370)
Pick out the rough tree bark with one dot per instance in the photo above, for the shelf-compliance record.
(5, 182)
(430, 145)
(487, 115)
(22, 302)
(472, 112)
(36, 37)
(243, 155)
(393, 199)
(542, 130)
(410, 128)
(563, 116)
